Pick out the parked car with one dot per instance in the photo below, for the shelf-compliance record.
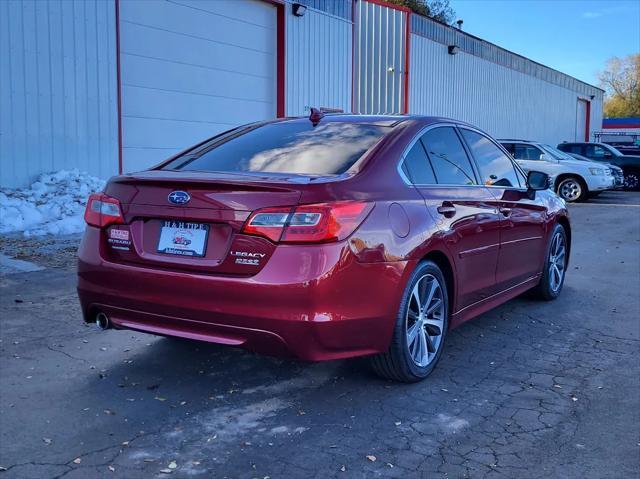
(602, 152)
(324, 238)
(573, 180)
(616, 172)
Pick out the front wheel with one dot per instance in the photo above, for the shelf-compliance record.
(572, 189)
(555, 265)
(420, 329)
(631, 180)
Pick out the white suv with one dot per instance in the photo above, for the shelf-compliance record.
(573, 179)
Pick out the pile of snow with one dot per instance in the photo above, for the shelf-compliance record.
(54, 204)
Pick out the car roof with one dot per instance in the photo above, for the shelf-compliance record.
(505, 140)
(381, 120)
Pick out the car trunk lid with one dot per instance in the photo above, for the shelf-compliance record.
(200, 235)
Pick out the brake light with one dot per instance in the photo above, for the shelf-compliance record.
(102, 211)
(317, 223)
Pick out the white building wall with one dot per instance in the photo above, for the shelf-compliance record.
(318, 62)
(504, 102)
(57, 89)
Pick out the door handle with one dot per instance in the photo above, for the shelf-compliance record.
(447, 209)
(505, 211)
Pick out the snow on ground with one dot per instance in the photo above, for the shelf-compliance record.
(54, 204)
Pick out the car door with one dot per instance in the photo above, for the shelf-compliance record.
(465, 212)
(522, 228)
(598, 153)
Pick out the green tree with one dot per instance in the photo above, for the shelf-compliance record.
(437, 9)
(621, 82)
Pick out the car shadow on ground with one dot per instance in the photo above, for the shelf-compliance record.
(173, 370)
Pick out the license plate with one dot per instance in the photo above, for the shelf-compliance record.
(183, 238)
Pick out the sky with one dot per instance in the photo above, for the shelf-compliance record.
(573, 36)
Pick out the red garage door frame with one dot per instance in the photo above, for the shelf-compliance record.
(587, 121)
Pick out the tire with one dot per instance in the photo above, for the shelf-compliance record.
(550, 286)
(572, 189)
(631, 180)
(403, 361)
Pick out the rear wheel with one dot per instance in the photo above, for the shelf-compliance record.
(572, 189)
(420, 330)
(555, 265)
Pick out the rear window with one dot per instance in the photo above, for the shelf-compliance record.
(298, 147)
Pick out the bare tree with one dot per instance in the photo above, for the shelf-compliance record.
(439, 10)
(621, 82)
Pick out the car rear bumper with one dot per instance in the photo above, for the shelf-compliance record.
(312, 302)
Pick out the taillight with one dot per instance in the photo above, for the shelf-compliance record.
(317, 223)
(102, 211)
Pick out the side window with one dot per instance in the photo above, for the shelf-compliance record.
(495, 167)
(448, 157)
(526, 152)
(595, 151)
(509, 148)
(577, 149)
(416, 166)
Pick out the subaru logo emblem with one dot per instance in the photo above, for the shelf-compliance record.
(179, 197)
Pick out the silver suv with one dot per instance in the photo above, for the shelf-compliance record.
(573, 179)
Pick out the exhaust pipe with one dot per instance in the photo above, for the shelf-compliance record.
(102, 321)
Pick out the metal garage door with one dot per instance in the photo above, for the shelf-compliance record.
(190, 69)
(582, 121)
(381, 66)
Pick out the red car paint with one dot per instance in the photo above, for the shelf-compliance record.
(313, 300)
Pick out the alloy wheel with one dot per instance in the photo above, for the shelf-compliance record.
(631, 181)
(557, 261)
(425, 320)
(570, 189)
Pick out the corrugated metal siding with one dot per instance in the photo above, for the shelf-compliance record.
(446, 35)
(318, 62)
(379, 59)
(596, 115)
(491, 96)
(57, 88)
(339, 8)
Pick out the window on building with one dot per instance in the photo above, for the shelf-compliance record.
(417, 167)
(448, 157)
(496, 169)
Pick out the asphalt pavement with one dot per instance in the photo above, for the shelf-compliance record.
(530, 390)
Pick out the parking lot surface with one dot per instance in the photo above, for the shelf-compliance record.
(529, 390)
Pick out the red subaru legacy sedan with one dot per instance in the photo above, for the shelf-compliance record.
(322, 238)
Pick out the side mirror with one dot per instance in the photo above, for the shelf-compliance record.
(543, 157)
(537, 181)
